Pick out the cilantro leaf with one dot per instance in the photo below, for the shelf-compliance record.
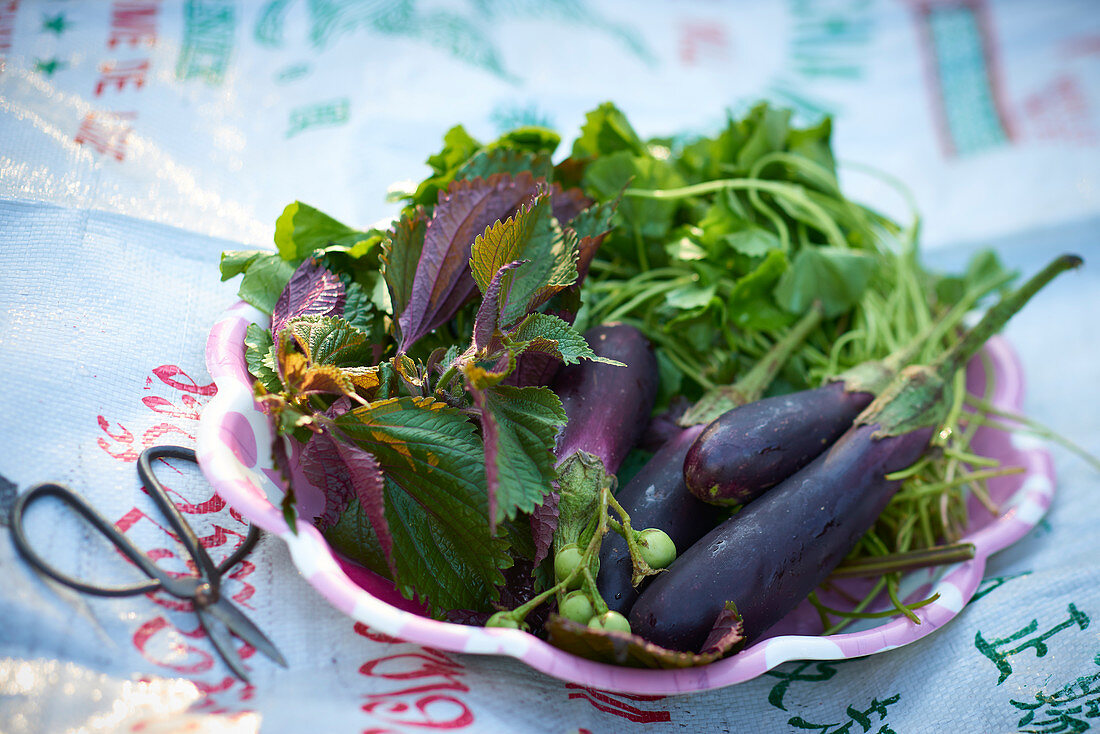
(610, 174)
(436, 503)
(833, 276)
(301, 229)
(605, 131)
(518, 426)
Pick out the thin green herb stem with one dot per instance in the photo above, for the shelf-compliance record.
(846, 618)
(791, 192)
(1033, 427)
(877, 615)
(640, 248)
(644, 295)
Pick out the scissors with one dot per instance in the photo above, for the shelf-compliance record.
(217, 615)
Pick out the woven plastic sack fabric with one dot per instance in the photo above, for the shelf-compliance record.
(140, 139)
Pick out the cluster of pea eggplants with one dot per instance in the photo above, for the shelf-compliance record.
(808, 470)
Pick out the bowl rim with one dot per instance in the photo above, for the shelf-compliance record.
(232, 430)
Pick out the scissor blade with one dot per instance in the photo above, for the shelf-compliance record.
(243, 627)
(223, 643)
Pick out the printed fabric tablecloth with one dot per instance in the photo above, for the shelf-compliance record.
(140, 138)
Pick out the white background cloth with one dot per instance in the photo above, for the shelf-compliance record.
(990, 112)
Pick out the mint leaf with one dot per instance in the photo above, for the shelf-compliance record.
(400, 253)
(301, 229)
(312, 290)
(259, 355)
(436, 503)
(518, 426)
(542, 332)
(442, 283)
(836, 277)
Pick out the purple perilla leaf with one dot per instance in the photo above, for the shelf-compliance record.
(443, 283)
(568, 203)
(496, 294)
(346, 473)
(544, 522)
(313, 290)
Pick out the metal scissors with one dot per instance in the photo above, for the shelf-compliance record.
(217, 615)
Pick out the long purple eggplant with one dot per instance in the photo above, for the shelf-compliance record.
(607, 409)
(608, 406)
(657, 498)
(769, 556)
(751, 448)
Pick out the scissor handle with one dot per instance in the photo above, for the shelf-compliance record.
(210, 573)
(97, 521)
(187, 536)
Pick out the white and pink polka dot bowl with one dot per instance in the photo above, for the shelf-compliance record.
(233, 441)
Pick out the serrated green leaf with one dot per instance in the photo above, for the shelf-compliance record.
(353, 536)
(436, 503)
(331, 341)
(506, 160)
(259, 355)
(301, 229)
(458, 146)
(532, 235)
(542, 332)
(518, 425)
(359, 308)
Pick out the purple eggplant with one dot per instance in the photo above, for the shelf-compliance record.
(657, 497)
(769, 556)
(608, 406)
(751, 448)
